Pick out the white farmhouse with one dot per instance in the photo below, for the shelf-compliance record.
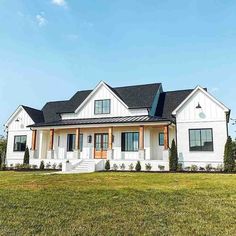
(124, 125)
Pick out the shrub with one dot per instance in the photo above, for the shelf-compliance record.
(220, 167)
(187, 168)
(208, 167)
(41, 167)
(161, 168)
(229, 162)
(4, 166)
(138, 167)
(48, 165)
(148, 167)
(60, 166)
(115, 167)
(54, 166)
(107, 165)
(201, 169)
(26, 156)
(173, 158)
(194, 168)
(131, 167)
(34, 167)
(180, 167)
(122, 166)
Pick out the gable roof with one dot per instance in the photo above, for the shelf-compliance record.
(199, 88)
(35, 115)
(169, 101)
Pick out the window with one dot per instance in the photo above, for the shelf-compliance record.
(161, 139)
(20, 143)
(130, 142)
(201, 139)
(102, 106)
(71, 142)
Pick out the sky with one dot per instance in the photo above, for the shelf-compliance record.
(49, 49)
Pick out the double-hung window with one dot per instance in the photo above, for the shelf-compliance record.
(161, 139)
(130, 142)
(102, 106)
(20, 143)
(71, 142)
(201, 140)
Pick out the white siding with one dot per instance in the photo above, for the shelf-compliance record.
(210, 116)
(18, 128)
(117, 107)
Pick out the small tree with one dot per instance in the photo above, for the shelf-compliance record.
(229, 161)
(41, 165)
(107, 165)
(26, 156)
(138, 167)
(173, 159)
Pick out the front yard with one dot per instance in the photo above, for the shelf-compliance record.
(117, 204)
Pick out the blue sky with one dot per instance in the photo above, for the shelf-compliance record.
(49, 49)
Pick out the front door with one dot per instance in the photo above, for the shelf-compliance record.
(101, 146)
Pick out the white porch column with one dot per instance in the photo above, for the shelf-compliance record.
(110, 144)
(141, 143)
(77, 144)
(50, 153)
(33, 145)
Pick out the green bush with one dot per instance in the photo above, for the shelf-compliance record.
(138, 167)
(131, 167)
(209, 167)
(26, 156)
(107, 165)
(173, 158)
(148, 167)
(115, 167)
(194, 168)
(59, 166)
(41, 167)
(122, 166)
(180, 167)
(229, 162)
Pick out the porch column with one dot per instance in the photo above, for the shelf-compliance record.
(33, 144)
(51, 143)
(77, 144)
(166, 137)
(141, 143)
(110, 144)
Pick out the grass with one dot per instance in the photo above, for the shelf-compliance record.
(117, 204)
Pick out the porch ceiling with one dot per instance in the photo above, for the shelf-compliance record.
(105, 120)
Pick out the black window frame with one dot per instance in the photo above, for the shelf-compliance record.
(102, 108)
(202, 147)
(14, 144)
(124, 142)
(73, 144)
(161, 144)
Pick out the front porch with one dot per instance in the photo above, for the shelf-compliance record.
(120, 144)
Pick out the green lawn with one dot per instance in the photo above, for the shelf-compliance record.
(117, 204)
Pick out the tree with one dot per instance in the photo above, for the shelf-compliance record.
(3, 149)
(138, 167)
(173, 158)
(26, 156)
(229, 162)
(107, 165)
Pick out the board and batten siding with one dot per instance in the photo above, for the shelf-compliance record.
(210, 115)
(117, 107)
(16, 128)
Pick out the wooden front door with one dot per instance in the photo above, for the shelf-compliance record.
(100, 146)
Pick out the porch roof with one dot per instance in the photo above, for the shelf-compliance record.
(105, 120)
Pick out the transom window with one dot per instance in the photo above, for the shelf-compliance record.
(201, 140)
(20, 143)
(71, 142)
(161, 139)
(130, 142)
(102, 106)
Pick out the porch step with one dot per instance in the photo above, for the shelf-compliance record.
(86, 166)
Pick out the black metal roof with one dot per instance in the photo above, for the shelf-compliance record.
(105, 120)
(35, 115)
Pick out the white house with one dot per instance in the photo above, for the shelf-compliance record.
(124, 125)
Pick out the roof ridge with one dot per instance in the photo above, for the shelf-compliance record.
(136, 85)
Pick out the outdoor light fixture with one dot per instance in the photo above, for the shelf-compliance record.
(17, 120)
(198, 106)
(90, 139)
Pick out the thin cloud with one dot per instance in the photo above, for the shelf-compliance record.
(41, 20)
(214, 90)
(60, 3)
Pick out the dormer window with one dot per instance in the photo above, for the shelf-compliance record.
(102, 106)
